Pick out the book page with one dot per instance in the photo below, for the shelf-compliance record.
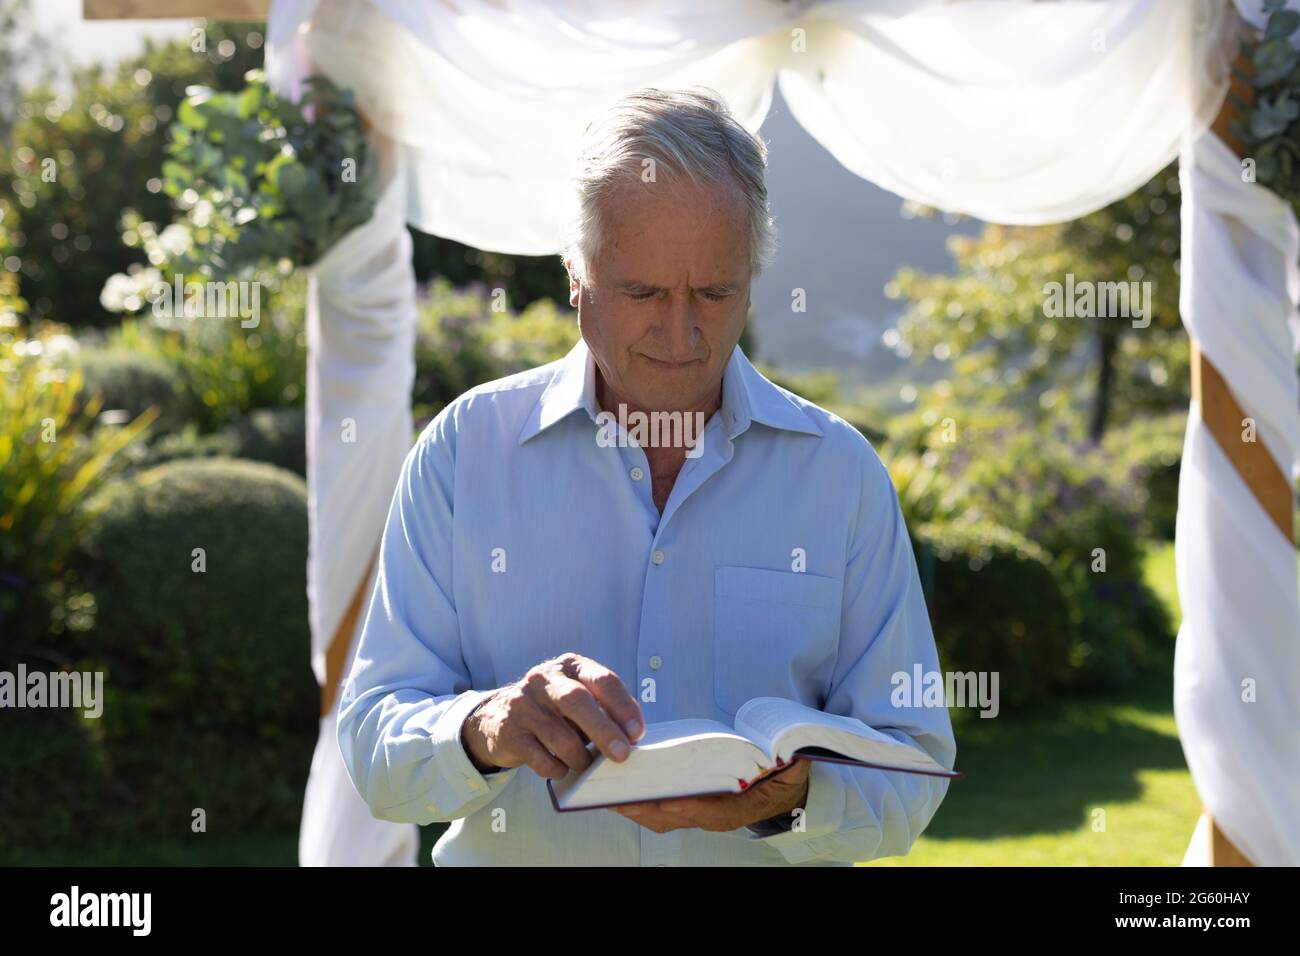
(783, 727)
(672, 759)
(764, 719)
(672, 731)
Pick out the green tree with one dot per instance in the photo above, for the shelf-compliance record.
(1004, 355)
(79, 158)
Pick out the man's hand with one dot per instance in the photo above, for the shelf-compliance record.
(777, 792)
(546, 718)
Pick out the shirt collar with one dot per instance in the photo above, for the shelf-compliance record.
(747, 397)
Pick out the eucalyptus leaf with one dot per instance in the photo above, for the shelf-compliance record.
(271, 178)
(1282, 24)
(188, 114)
(1269, 119)
(1273, 60)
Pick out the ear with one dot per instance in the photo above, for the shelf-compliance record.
(575, 286)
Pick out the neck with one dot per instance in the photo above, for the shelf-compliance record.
(609, 401)
(664, 461)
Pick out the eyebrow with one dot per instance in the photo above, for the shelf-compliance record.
(635, 286)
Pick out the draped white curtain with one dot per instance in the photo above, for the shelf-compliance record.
(1237, 661)
(1011, 111)
(361, 365)
(1008, 110)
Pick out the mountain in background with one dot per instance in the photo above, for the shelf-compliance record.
(841, 239)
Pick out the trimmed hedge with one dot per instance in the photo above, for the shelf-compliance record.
(134, 382)
(1060, 495)
(276, 436)
(996, 605)
(226, 642)
(209, 699)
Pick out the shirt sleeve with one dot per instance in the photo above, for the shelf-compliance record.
(856, 814)
(409, 690)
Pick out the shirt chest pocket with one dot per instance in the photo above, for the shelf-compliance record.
(775, 634)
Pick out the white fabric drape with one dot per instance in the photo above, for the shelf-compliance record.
(1237, 662)
(1011, 111)
(361, 316)
(1007, 110)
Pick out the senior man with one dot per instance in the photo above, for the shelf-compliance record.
(542, 588)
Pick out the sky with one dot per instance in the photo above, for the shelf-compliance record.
(103, 40)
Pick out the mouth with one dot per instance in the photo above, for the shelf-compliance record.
(671, 366)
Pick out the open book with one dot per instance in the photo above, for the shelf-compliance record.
(686, 758)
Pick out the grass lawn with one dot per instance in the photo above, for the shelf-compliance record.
(1034, 787)
(1098, 782)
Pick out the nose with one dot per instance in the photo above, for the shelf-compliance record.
(680, 330)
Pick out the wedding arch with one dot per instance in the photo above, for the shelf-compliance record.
(1018, 113)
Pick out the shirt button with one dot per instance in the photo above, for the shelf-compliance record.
(637, 474)
(657, 557)
(656, 662)
(430, 808)
(473, 784)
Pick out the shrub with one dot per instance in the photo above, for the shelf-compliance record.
(57, 786)
(226, 370)
(52, 456)
(821, 387)
(276, 436)
(131, 382)
(462, 342)
(926, 493)
(226, 641)
(1058, 495)
(1145, 456)
(996, 605)
(209, 699)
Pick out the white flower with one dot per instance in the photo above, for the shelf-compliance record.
(115, 292)
(201, 213)
(57, 346)
(175, 240)
(128, 293)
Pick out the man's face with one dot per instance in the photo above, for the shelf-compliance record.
(665, 300)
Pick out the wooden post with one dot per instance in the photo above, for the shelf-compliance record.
(174, 9)
(337, 657)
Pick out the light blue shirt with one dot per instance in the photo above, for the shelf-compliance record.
(779, 567)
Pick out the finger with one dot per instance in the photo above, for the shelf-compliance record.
(726, 811)
(577, 730)
(787, 773)
(635, 808)
(575, 702)
(610, 693)
(556, 735)
(692, 807)
(541, 760)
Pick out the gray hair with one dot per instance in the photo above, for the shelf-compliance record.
(687, 132)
